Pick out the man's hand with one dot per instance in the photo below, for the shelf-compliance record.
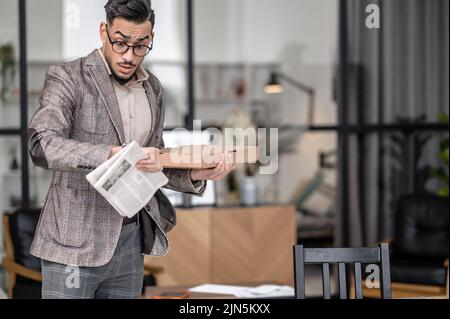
(152, 163)
(114, 150)
(224, 167)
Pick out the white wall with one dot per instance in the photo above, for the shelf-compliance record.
(272, 27)
(170, 31)
(44, 27)
(68, 29)
(80, 24)
(262, 30)
(301, 35)
(44, 32)
(9, 22)
(82, 18)
(218, 30)
(225, 30)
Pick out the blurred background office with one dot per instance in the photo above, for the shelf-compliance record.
(362, 111)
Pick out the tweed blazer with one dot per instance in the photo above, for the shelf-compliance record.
(73, 131)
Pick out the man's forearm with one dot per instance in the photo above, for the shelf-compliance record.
(51, 151)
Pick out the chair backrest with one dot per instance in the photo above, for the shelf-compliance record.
(19, 229)
(342, 256)
(421, 227)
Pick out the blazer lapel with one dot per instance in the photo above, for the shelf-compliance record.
(153, 108)
(102, 80)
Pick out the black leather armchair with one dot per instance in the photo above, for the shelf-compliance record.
(420, 247)
(24, 270)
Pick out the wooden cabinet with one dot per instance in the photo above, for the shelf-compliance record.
(229, 246)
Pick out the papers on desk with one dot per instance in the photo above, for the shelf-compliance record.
(263, 291)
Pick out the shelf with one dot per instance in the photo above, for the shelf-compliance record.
(230, 100)
(220, 100)
(241, 64)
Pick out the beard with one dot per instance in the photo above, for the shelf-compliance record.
(121, 80)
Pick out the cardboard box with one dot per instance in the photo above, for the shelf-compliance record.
(205, 156)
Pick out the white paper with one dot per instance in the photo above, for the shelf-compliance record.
(125, 187)
(268, 291)
(246, 292)
(218, 289)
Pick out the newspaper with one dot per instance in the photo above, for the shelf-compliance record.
(125, 187)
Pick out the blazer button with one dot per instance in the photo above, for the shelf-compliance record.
(147, 207)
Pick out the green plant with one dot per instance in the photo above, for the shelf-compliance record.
(7, 69)
(441, 173)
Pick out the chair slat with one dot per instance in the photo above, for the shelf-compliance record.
(326, 281)
(358, 285)
(385, 272)
(342, 281)
(343, 255)
(299, 272)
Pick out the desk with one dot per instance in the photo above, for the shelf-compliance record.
(153, 291)
(229, 246)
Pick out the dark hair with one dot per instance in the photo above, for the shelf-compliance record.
(137, 11)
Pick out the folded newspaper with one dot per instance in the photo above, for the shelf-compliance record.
(125, 187)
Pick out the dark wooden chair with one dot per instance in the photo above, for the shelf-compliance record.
(342, 256)
(24, 270)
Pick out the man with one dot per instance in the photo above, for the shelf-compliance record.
(88, 109)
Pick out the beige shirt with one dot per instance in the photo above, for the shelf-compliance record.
(134, 106)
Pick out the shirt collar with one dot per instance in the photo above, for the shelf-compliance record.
(141, 73)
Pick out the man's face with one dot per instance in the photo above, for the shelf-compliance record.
(124, 65)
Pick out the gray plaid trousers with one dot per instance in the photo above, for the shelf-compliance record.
(121, 277)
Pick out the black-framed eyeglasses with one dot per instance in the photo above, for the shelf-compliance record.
(121, 47)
